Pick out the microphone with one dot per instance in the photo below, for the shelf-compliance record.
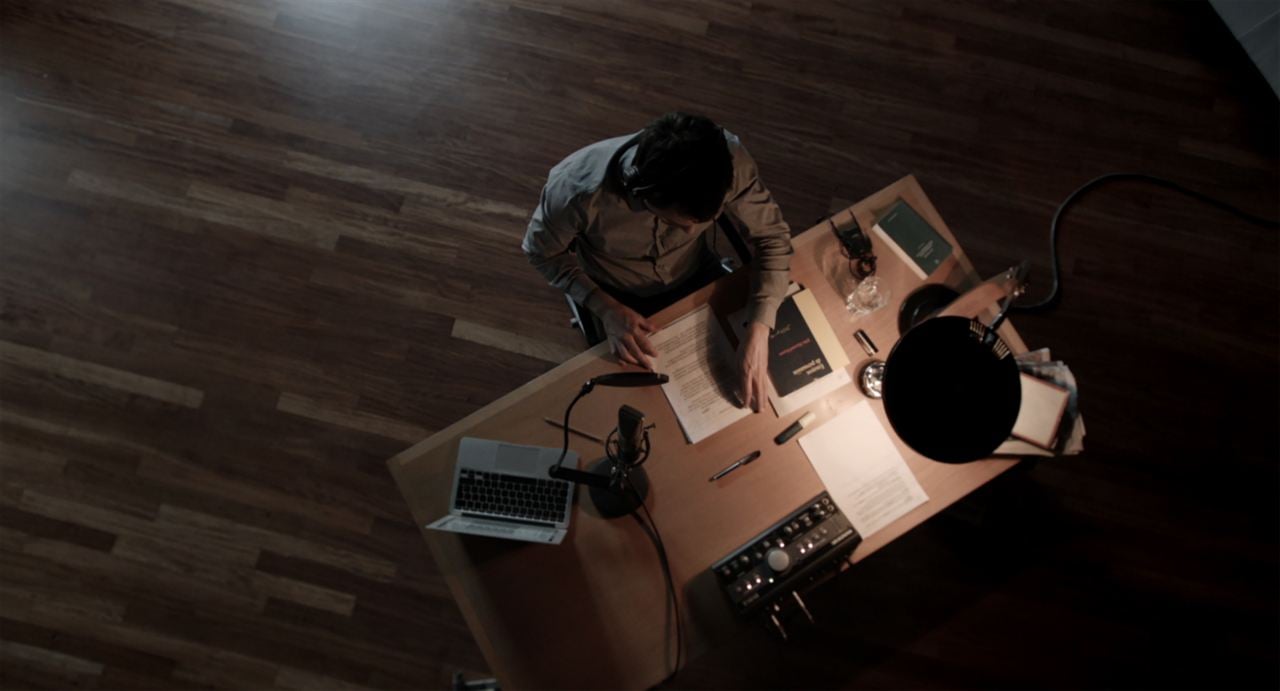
(617, 484)
(630, 379)
(630, 431)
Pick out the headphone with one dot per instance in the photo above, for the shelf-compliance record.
(638, 187)
(856, 247)
(636, 184)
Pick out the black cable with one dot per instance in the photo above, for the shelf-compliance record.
(651, 529)
(564, 450)
(1055, 291)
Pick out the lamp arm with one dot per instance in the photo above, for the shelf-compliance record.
(1015, 277)
(1000, 289)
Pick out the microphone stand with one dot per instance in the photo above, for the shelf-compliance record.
(616, 483)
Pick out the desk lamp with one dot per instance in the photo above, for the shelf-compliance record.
(617, 484)
(951, 386)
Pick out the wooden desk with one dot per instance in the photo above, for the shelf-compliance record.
(590, 612)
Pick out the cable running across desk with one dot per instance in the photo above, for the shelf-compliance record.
(1055, 289)
(651, 529)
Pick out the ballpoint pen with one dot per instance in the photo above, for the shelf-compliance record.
(735, 465)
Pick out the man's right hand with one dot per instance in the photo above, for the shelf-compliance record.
(626, 330)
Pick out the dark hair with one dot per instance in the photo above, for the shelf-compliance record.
(683, 163)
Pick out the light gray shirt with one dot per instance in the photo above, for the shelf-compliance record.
(617, 242)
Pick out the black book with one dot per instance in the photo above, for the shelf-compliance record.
(795, 358)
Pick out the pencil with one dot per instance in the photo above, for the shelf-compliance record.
(575, 430)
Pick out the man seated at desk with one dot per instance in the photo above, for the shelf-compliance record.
(627, 226)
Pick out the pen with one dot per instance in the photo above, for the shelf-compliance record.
(575, 430)
(786, 435)
(735, 465)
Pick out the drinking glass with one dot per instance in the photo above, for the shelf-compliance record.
(869, 295)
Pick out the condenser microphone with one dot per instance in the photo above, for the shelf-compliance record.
(630, 432)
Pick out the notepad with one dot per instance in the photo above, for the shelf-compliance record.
(1040, 415)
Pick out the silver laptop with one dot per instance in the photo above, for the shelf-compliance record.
(502, 490)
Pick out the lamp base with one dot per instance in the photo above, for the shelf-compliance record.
(615, 501)
(924, 302)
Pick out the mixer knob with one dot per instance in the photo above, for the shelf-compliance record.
(778, 560)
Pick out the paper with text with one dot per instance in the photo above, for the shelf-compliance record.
(694, 352)
(867, 477)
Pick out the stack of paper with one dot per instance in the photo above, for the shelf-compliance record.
(1049, 421)
(694, 352)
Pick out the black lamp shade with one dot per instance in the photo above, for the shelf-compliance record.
(949, 395)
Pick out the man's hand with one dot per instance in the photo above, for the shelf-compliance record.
(626, 330)
(754, 366)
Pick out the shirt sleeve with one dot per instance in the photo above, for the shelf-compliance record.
(753, 206)
(554, 225)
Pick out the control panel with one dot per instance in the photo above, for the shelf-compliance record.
(805, 547)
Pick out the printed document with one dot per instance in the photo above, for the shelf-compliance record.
(867, 477)
(695, 353)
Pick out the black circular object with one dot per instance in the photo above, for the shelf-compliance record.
(923, 303)
(948, 395)
(618, 500)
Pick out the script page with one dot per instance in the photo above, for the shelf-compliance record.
(694, 352)
(857, 461)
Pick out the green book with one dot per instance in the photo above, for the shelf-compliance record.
(913, 239)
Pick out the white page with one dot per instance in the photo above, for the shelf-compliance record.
(813, 391)
(867, 478)
(694, 352)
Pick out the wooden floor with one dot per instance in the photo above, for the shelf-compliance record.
(252, 249)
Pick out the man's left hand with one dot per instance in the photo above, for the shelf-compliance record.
(754, 366)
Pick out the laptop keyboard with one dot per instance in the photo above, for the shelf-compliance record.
(514, 496)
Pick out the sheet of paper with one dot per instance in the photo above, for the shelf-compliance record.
(867, 477)
(695, 353)
(809, 393)
(1057, 372)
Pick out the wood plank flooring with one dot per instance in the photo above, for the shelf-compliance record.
(252, 248)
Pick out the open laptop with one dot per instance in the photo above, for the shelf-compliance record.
(502, 490)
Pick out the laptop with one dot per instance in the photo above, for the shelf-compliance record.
(502, 490)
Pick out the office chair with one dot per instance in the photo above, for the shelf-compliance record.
(592, 328)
